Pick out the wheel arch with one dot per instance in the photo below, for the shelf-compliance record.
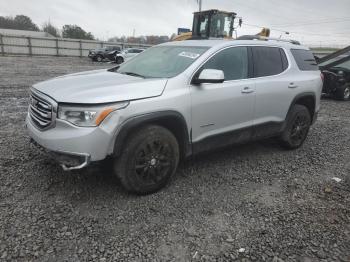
(172, 120)
(308, 100)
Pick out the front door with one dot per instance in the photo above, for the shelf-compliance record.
(223, 113)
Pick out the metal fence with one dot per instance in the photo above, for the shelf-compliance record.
(48, 46)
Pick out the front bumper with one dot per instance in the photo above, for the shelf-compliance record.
(92, 56)
(314, 118)
(67, 160)
(85, 144)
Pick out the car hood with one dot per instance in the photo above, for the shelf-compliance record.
(100, 86)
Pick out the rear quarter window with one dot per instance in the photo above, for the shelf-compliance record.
(269, 61)
(305, 60)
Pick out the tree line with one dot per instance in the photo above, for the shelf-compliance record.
(148, 39)
(22, 22)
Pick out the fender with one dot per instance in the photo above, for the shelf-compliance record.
(172, 120)
(300, 96)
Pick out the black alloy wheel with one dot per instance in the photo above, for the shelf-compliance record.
(152, 161)
(300, 129)
(343, 92)
(297, 127)
(148, 160)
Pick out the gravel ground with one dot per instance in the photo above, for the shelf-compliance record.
(255, 202)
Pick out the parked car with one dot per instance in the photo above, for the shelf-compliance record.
(112, 55)
(102, 53)
(336, 70)
(126, 54)
(175, 100)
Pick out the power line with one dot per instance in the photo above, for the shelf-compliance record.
(300, 9)
(313, 20)
(294, 32)
(314, 23)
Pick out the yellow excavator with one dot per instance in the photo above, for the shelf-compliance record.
(214, 24)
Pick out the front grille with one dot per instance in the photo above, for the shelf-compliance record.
(40, 111)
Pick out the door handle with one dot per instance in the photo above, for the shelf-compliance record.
(292, 85)
(247, 90)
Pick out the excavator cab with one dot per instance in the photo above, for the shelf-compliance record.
(215, 24)
(212, 24)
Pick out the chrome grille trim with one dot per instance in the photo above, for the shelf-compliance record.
(46, 115)
(42, 110)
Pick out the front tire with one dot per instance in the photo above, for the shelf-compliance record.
(149, 159)
(297, 128)
(343, 93)
(99, 58)
(119, 60)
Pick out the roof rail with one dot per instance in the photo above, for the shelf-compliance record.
(258, 37)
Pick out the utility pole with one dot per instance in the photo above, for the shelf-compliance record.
(200, 5)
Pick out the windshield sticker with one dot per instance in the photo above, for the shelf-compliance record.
(189, 55)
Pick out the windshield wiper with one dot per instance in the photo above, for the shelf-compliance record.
(132, 74)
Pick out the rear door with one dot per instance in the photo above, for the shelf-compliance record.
(275, 89)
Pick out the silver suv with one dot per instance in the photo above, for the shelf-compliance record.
(175, 100)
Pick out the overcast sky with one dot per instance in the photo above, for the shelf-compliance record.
(311, 21)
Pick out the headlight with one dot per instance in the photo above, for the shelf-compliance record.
(87, 115)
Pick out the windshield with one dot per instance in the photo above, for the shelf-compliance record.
(221, 25)
(162, 61)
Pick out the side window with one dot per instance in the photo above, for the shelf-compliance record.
(268, 61)
(233, 61)
(304, 59)
(284, 59)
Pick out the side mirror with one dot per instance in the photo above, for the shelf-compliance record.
(210, 76)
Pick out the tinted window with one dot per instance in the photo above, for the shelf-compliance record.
(284, 59)
(267, 61)
(233, 61)
(137, 50)
(305, 60)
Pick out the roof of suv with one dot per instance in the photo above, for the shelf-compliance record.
(223, 43)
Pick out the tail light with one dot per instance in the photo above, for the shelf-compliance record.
(322, 77)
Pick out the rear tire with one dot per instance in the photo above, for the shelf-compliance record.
(148, 160)
(297, 128)
(342, 93)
